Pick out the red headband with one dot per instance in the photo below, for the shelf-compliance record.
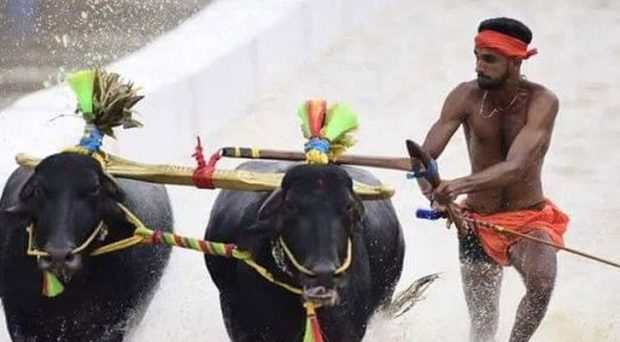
(504, 44)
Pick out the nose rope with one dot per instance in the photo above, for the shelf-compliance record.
(301, 268)
(33, 251)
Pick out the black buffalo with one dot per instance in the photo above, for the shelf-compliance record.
(65, 198)
(315, 213)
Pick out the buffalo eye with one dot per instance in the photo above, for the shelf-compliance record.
(289, 208)
(349, 208)
(39, 192)
(94, 191)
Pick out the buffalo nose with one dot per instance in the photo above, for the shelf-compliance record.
(324, 275)
(60, 259)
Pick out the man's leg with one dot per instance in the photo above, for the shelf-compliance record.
(537, 265)
(482, 279)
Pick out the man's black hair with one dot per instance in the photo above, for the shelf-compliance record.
(507, 26)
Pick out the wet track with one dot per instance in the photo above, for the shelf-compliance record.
(395, 71)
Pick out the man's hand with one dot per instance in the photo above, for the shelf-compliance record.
(426, 188)
(448, 190)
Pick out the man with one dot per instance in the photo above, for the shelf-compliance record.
(508, 122)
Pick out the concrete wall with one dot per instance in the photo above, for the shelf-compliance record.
(196, 78)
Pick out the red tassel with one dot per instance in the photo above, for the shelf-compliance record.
(313, 329)
(203, 175)
(316, 329)
(316, 110)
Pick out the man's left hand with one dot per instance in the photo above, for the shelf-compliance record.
(448, 190)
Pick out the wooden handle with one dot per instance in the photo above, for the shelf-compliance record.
(393, 163)
(418, 154)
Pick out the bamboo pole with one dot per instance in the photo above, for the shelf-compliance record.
(222, 179)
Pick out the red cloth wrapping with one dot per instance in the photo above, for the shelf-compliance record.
(504, 44)
(550, 220)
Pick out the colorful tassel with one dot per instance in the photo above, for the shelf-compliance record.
(340, 120)
(312, 114)
(313, 329)
(52, 287)
(327, 130)
(83, 84)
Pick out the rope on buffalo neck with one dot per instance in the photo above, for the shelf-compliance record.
(144, 235)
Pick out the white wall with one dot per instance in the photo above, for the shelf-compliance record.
(195, 78)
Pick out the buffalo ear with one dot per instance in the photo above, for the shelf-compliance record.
(260, 226)
(23, 208)
(111, 188)
(358, 209)
(112, 214)
(29, 189)
(254, 236)
(11, 216)
(18, 210)
(271, 204)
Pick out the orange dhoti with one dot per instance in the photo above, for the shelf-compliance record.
(549, 219)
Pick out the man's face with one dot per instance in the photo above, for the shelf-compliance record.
(492, 68)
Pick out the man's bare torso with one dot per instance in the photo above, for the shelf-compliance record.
(489, 136)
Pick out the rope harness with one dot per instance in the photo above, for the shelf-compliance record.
(144, 235)
(327, 131)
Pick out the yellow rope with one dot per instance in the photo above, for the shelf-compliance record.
(32, 251)
(99, 156)
(301, 268)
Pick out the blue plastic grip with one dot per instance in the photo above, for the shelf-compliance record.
(429, 214)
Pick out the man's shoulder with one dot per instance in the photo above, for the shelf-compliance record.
(467, 88)
(466, 92)
(542, 100)
(540, 92)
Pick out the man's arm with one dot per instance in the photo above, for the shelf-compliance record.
(527, 150)
(452, 115)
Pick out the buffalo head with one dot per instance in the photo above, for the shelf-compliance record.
(67, 197)
(310, 222)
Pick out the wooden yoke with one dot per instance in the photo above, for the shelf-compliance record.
(223, 179)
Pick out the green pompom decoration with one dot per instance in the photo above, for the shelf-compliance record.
(302, 112)
(339, 121)
(105, 100)
(83, 85)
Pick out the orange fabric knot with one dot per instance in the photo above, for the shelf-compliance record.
(504, 44)
(550, 220)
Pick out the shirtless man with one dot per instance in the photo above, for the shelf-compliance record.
(507, 122)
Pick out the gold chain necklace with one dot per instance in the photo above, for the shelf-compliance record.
(496, 110)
